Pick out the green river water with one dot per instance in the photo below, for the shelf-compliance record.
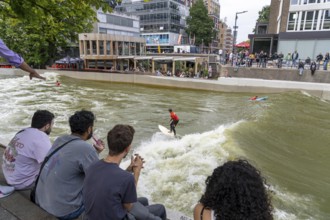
(286, 137)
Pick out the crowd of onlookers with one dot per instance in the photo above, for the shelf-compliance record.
(276, 60)
(67, 179)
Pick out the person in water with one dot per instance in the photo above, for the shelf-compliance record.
(174, 121)
(17, 61)
(58, 83)
(254, 98)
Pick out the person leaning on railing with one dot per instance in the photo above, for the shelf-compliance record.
(17, 61)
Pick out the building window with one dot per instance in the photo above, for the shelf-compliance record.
(292, 21)
(94, 47)
(326, 22)
(316, 15)
(88, 47)
(126, 48)
(138, 51)
(102, 30)
(114, 48)
(108, 48)
(101, 47)
(82, 47)
(294, 2)
(120, 48)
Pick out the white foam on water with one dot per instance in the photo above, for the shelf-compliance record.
(306, 93)
(291, 201)
(176, 169)
(206, 109)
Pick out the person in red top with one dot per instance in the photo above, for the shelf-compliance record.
(174, 120)
(254, 98)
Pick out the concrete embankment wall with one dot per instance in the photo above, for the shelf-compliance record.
(286, 74)
(233, 84)
(244, 80)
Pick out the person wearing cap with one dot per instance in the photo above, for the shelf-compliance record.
(174, 121)
(17, 61)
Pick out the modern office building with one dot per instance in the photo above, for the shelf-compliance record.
(109, 51)
(302, 25)
(117, 24)
(162, 22)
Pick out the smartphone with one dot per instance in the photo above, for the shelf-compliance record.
(97, 141)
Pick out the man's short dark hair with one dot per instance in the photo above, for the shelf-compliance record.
(81, 121)
(41, 118)
(119, 138)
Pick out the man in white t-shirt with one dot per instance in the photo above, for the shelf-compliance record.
(26, 151)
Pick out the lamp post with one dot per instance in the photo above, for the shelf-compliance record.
(235, 31)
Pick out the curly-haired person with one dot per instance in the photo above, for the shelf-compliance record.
(235, 191)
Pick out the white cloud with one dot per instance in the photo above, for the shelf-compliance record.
(245, 22)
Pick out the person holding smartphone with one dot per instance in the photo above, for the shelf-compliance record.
(115, 196)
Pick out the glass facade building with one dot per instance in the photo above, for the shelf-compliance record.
(309, 15)
(117, 24)
(162, 22)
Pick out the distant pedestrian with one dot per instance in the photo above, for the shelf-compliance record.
(288, 60)
(319, 58)
(264, 60)
(295, 57)
(301, 67)
(313, 67)
(280, 60)
(274, 58)
(257, 58)
(210, 72)
(326, 61)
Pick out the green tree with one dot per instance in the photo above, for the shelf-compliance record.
(264, 14)
(37, 29)
(200, 25)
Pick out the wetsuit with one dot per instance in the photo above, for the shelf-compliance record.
(174, 121)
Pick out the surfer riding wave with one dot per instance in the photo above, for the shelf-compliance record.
(174, 121)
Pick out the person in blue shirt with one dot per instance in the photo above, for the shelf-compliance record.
(17, 61)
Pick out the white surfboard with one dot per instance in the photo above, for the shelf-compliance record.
(165, 131)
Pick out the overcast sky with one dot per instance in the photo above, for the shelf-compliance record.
(245, 22)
